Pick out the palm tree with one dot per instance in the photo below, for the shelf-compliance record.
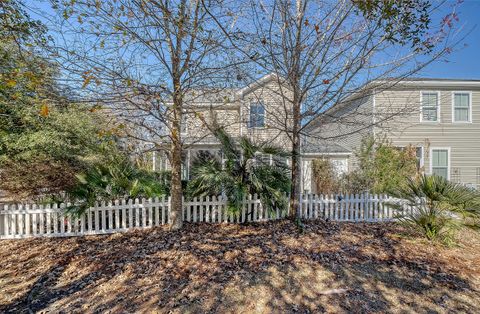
(242, 172)
(439, 205)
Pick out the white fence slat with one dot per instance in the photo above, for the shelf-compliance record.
(109, 211)
(207, 209)
(21, 221)
(61, 218)
(165, 203)
(130, 213)
(48, 217)
(157, 211)
(214, 211)
(102, 212)
(28, 228)
(202, 201)
(338, 202)
(4, 222)
(117, 215)
(70, 222)
(195, 209)
(55, 218)
(13, 222)
(143, 212)
(89, 226)
(137, 213)
(41, 229)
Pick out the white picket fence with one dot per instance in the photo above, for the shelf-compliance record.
(31, 220)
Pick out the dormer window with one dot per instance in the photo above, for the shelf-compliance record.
(257, 115)
(430, 107)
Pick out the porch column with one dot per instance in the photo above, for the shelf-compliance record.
(306, 175)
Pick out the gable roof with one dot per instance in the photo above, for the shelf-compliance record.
(259, 83)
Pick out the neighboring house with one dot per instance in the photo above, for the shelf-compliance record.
(258, 111)
(440, 117)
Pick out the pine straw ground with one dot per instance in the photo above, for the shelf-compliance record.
(262, 268)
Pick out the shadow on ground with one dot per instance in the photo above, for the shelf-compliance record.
(265, 268)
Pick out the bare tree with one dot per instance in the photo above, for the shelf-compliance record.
(143, 61)
(323, 53)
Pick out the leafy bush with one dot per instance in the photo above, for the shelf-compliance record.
(381, 167)
(45, 139)
(324, 176)
(439, 206)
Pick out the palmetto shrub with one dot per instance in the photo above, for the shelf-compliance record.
(242, 172)
(439, 206)
(118, 178)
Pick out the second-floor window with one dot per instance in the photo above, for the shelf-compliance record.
(461, 107)
(257, 115)
(430, 107)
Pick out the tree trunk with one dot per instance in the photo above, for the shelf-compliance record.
(176, 191)
(296, 184)
(296, 166)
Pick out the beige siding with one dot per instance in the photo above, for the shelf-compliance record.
(463, 139)
(277, 114)
(229, 118)
(235, 116)
(347, 125)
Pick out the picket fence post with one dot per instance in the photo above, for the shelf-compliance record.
(4, 221)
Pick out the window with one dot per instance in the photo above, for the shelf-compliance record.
(257, 115)
(461, 107)
(430, 107)
(440, 162)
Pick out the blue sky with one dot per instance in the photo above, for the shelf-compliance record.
(463, 62)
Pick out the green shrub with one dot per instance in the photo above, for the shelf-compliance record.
(118, 178)
(243, 172)
(381, 167)
(440, 206)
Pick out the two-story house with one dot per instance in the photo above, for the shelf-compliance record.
(440, 117)
(259, 111)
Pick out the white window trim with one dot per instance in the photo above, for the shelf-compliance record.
(438, 105)
(448, 156)
(264, 116)
(469, 106)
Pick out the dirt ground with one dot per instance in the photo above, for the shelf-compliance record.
(258, 268)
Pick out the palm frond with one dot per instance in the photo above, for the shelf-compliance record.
(439, 205)
(242, 173)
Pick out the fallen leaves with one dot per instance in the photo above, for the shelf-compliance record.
(264, 267)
